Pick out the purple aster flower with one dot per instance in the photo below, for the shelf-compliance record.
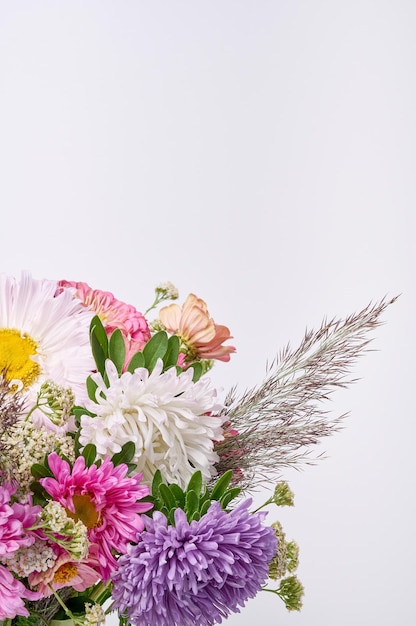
(194, 574)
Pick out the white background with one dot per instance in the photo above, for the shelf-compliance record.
(262, 155)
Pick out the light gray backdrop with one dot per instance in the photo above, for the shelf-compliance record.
(262, 155)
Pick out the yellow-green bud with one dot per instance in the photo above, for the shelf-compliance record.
(283, 495)
(291, 591)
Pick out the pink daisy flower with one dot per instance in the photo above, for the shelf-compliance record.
(104, 499)
(114, 314)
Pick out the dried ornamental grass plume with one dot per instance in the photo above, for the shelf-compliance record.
(194, 573)
(113, 314)
(280, 419)
(166, 416)
(200, 336)
(104, 499)
(43, 336)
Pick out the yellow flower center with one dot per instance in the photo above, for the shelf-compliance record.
(65, 573)
(16, 351)
(84, 511)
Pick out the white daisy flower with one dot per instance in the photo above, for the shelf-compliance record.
(165, 415)
(44, 335)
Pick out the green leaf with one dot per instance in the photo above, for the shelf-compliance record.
(99, 343)
(191, 503)
(221, 485)
(90, 454)
(172, 353)
(178, 494)
(117, 350)
(205, 506)
(97, 329)
(40, 471)
(40, 496)
(157, 481)
(195, 483)
(155, 349)
(206, 496)
(79, 411)
(131, 467)
(198, 370)
(125, 455)
(167, 496)
(91, 388)
(228, 496)
(136, 361)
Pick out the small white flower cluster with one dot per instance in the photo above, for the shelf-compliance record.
(38, 557)
(94, 615)
(26, 445)
(56, 519)
(169, 290)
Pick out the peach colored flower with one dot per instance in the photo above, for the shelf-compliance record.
(202, 338)
(66, 571)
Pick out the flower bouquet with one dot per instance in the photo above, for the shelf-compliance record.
(126, 481)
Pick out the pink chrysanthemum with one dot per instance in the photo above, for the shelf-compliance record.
(114, 314)
(15, 519)
(67, 572)
(104, 499)
(12, 595)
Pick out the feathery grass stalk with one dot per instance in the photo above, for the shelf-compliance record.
(280, 419)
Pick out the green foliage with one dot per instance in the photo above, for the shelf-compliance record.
(125, 455)
(117, 350)
(159, 346)
(136, 361)
(99, 343)
(155, 349)
(90, 454)
(198, 370)
(91, 388)
(195, 500)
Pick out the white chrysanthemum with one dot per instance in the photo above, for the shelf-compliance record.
(44, 335)
(163, 414)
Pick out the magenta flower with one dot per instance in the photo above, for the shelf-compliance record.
(114, 314)
(104, 499)
(15, 519)
(12, 595)
(194, 574)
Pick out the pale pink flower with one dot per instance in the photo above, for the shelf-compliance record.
(12, 595)
(197, 330)
(66, 571)
(114, 314)
(104, 499)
